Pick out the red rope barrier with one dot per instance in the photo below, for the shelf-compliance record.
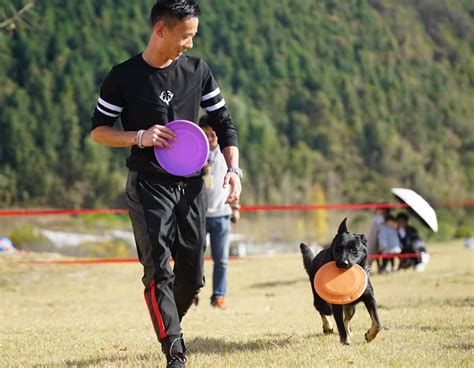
(92, 261)
(363, 206)
(135, 260)
(456, 204)
(324, 207)
(395, 255)
(62, 212)
(81, 261)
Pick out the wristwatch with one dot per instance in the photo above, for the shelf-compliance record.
(237, 171)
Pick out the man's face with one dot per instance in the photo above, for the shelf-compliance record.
(402, 223)
(178, 37)
(211, 137)
(391, 223)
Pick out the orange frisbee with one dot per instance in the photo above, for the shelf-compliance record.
(338, 285)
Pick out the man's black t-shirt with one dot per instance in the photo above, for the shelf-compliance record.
(143, 96)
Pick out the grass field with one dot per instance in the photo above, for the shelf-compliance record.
(95, 315)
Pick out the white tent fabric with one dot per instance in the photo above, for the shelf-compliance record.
(419, 205)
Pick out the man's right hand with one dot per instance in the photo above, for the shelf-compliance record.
(158, 136)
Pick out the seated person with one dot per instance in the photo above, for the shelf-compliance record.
(389, 243)
(411, 243)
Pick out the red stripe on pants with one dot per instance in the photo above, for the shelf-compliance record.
(156, 311)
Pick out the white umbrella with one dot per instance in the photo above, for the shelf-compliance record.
(418, 205)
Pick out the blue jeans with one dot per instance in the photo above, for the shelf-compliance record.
(219, 230)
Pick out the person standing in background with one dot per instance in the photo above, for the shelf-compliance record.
(219, 215)
(373, 238)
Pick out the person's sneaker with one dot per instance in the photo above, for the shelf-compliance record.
(425, 258)
(174, 350)
(177, 360)
(420, 267)
(219, 302)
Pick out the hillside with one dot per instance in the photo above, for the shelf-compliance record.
(336, 99)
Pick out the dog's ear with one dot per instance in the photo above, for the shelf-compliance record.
(343, 227)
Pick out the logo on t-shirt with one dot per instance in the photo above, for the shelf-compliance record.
(166, 96)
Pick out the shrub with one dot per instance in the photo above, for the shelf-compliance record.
(464, 231)
(102, 249)
(28, 237)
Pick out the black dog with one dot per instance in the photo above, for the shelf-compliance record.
(346, 249)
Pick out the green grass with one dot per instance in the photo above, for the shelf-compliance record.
(58, 315)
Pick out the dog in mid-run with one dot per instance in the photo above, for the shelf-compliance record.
(346, 249)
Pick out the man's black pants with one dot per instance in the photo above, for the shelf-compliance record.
(168, 219)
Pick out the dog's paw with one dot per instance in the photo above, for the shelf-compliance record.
(372, 332)
(329, 331)
(345, 342)
(369, 336)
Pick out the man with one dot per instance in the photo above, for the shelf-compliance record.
(167, 212)
(218, 216)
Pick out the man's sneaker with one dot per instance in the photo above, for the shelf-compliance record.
(174, 353)
(177, 360)
(219, 302)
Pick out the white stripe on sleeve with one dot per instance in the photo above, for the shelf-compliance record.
(110, 106)
(211, 94)
(216, 106)
(107, 113)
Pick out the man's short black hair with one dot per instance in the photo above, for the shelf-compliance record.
(171, 11)
(389, 218)
(402, 216)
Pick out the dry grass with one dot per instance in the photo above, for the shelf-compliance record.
(58, 315)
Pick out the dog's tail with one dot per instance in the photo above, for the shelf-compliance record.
(308, 257)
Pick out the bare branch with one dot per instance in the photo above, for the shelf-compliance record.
(10, 24)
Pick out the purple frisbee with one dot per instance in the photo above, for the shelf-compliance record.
(189, 154)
